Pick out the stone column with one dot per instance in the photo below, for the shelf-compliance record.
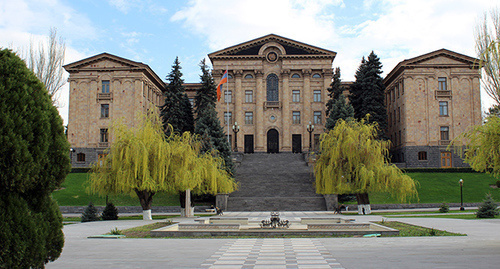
(307, 109)
(259, 120)
(237, 107)
(285, 112)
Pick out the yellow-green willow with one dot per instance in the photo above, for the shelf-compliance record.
(352, 160)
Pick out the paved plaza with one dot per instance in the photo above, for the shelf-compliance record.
(479, 249)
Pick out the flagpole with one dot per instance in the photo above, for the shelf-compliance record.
(226, 96)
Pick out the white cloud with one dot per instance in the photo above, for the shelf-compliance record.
(25, 21)
(225, 24)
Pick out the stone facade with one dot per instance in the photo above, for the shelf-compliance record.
(105, 88)
(431, 99)
(277, 87)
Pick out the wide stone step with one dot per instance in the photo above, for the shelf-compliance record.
(276, 204)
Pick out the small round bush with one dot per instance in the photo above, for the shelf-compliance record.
(110, 212)
(444, 208)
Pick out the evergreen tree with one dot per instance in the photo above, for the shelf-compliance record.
(110, 212)
(34, 161)
(334, 91)
(207, 93)
(339, 110)
(177, 110)
(488, 209)
(367, 93)
(207, 124)
(90, 213)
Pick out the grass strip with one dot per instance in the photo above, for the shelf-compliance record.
(407, 230)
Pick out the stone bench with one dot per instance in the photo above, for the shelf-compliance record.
(203, 226)
(339, 226)
(241, 221)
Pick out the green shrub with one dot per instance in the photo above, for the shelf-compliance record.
(115, 231)
(90, 213)
(110, 212)
(488, 208)
(498, 183)
(444, 208)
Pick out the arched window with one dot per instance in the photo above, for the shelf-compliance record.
(295, 75)
(316, 75)
(229, 76)
(248, 76)
(272, 88)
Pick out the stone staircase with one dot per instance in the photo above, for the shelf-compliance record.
(274, 182)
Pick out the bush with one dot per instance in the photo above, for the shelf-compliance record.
(110, 212)
(498, 183)
(90, 213)
(488, 208)
(115, 231)
(444, 208)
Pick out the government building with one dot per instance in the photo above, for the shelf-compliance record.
(276, 96)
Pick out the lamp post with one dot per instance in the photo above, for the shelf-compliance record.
(310, 129)
(71, 150)
(236, 129)
(461, 195)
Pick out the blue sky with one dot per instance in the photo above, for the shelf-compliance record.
(155, 32)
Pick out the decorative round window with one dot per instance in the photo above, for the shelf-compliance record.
(272, 56)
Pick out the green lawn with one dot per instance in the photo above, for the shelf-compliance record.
(432, 188)
(444, 187)
(73, 193)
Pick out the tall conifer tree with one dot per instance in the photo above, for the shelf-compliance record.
(367, 93)
(340, 110)
(177, 110)
(334, 91)
(207, 123)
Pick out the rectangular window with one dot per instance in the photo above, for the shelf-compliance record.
(104, 110)
(104, 135)
(422, 155)
(80, 157)
(248, 96)
(402, 87)
(399, 114)
(296, 96)
(248, 117)
(397, 90)
(228, 96)
(296, 117)
(317, 117)
(191, 101)
(317, 95)
(445, 133)
(228, 118)
(316, 142)
(443, 108)
(442, 84)
(400, 140)
(105, 86)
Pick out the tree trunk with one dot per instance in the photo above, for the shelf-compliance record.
(363, 203)
(146, 199)
(362, 198)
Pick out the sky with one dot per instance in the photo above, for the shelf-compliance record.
(156, 32)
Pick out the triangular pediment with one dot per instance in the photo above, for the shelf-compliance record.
(290, 47)
(441, 57)
(104, 61)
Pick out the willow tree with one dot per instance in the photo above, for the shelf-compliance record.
(143, 161)
(353, 160)
(480, 146)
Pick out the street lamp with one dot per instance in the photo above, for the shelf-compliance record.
(461, 195)
(310, 129)
(71, 150)
(236, 129)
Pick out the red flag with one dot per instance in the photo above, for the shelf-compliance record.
(219, 87)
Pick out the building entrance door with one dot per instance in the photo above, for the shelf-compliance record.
(445, 159)
(248, 143)
(296, 143)
(273, 143)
